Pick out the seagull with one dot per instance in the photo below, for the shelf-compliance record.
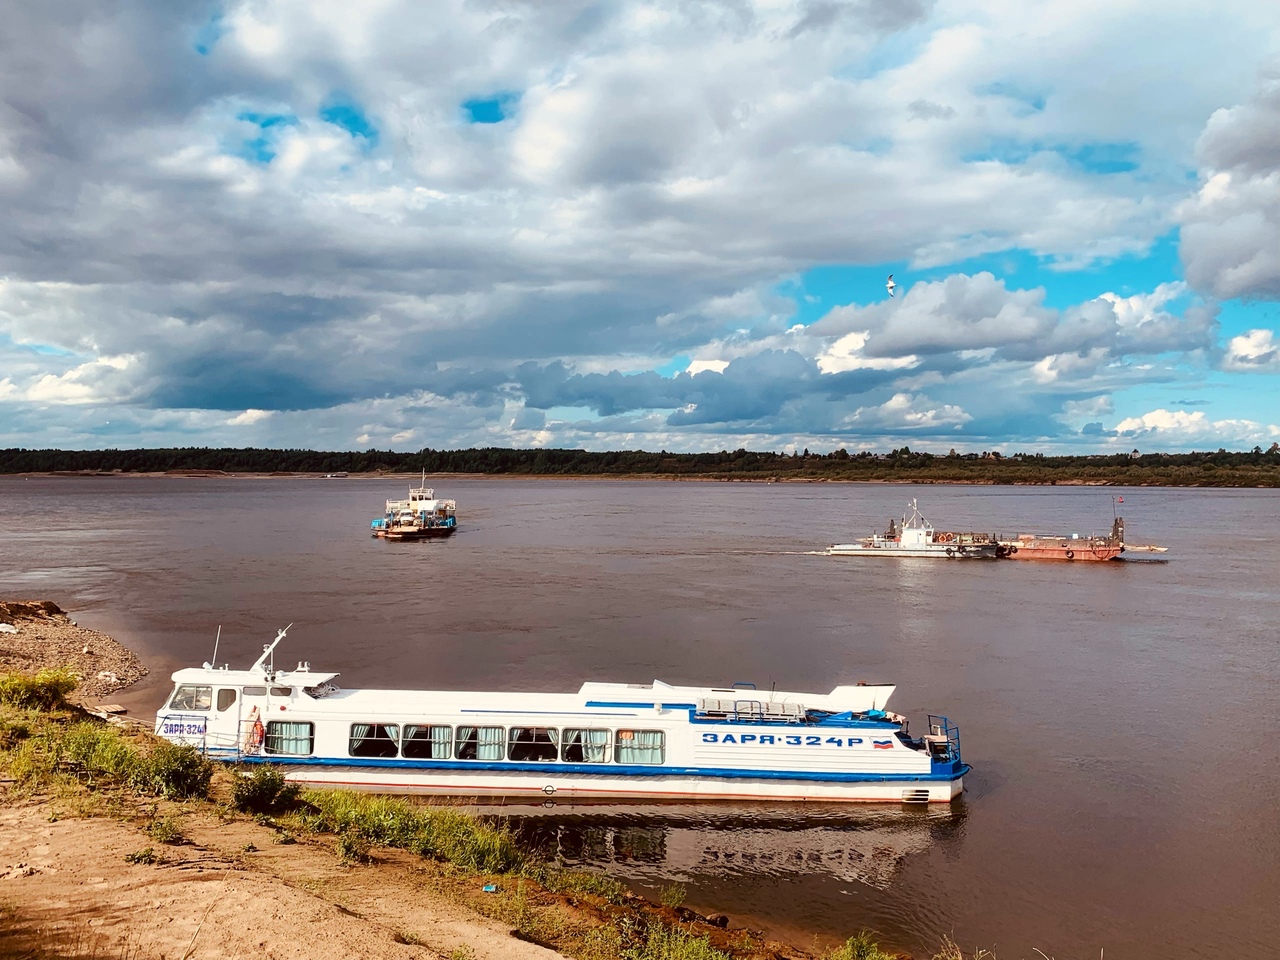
(890, 285)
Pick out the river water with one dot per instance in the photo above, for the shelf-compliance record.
(1121, 718)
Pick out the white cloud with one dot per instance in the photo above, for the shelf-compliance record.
(249, 417)
(1255, 351)
(1231, 227)
(1181, 427)
(903, 411)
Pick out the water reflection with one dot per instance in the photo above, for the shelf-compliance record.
(692, 844)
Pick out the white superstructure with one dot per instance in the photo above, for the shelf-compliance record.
(607, 741)
(918, 538)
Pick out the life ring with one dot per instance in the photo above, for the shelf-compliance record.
(950, 552)
(1071, 554)
(254, 732)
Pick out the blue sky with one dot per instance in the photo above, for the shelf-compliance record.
(642, 224)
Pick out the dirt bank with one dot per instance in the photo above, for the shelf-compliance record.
(67, 889)
(37, 633)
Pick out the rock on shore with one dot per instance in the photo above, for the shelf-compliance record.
(38, 633)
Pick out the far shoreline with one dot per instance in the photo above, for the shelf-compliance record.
(620, 478)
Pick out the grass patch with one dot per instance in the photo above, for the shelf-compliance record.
(672, 895)
(99, 755)
(673, 943)
(439, 833)
(263, 790)
(581, 883)
(166, 830)
(46, 690)
(145, 855)
(861, 946)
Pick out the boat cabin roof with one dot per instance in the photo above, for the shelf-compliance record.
(592, 698)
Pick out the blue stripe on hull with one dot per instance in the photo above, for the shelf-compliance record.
(613, 771)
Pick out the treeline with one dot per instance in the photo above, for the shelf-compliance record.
(1255, 468)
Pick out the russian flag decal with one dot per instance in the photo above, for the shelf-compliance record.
(882, 744)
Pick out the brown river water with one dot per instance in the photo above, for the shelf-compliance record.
(1121, 718)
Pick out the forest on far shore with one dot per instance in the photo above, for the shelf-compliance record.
(1253, 468)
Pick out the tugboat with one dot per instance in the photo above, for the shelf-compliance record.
(918, 538)
(1047, 546)
(421, 517)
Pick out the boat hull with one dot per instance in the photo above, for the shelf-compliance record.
(957, 551)
(524, 787)
(427, 533)
(1084, 551)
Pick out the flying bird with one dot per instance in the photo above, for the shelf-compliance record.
(890, 285)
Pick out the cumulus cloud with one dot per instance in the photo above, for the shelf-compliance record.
(1231, 227)
(1253, 352)
(1182, 428)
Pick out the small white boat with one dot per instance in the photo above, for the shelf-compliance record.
(607, 741)
(918, 538)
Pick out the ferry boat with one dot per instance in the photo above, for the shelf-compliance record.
(420, 517)
(606, 742)
(918, 538)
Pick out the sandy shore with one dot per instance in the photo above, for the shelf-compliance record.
(227, 890)
(37, 633)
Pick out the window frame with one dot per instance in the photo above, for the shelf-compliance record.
(633, 745)
(194, 695)
(500, 742)
(430, 740)
(270, 735)
(393, 739)
(551, 739)
(581, 746)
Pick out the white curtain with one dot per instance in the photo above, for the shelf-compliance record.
(641, 746)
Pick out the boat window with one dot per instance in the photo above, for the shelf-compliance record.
(640, 746)
(427, 743)
(190, 697)
(282, 691)
(532, 743)
(586, 746)
(479, 743)
(374, 740)
(225, 699)
(255, 691)
(293, 739)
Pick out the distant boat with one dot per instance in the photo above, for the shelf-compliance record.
(918, 538)
(421, 517)
(340, 475)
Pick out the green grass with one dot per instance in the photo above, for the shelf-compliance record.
(580, 883)
(263, 790)
(439, 833)
(672, 895)
(166, 830)
(673, 943)
(46, 690)
(862, 946)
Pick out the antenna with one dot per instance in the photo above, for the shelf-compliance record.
(215, 645)
(269, 649)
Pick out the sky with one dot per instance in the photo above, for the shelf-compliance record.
(657, 225)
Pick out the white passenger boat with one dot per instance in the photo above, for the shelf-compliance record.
(918, 538)
(421, 517)
(608, 741)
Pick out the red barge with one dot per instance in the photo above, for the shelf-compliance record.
(1041, 546)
